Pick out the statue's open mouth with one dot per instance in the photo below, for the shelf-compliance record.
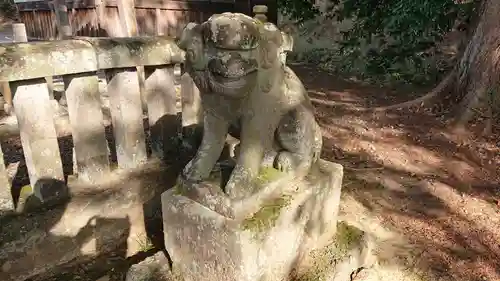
(232, 86)
(231, 73)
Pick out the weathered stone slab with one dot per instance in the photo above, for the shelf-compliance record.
(123, 52)
(45, 58)
(160, 97)
(263, 237)
(39, 139)
(127, 117)
(86, 119)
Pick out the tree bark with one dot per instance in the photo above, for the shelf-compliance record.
(479, 68)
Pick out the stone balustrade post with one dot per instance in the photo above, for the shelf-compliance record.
(161, 98)
(85, 114)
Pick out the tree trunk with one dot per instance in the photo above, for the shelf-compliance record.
(479, 68)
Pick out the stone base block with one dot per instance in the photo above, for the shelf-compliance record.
(263, 237)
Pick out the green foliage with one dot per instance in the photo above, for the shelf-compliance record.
(8, 10)
(392, 37)
(300, 10)
(403, 29)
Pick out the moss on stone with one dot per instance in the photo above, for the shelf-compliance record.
(26, 191)
(267, 216)
(177, 190)
(267, 175)
(346, 237)
(321, 260)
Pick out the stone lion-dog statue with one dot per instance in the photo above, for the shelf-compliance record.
(247, 90)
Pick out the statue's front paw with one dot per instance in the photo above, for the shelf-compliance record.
(190, 175)
(186, 172)
(207, 195)
(285, 162)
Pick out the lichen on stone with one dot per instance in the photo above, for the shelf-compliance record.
(346, 237)
(320, 261)
(26, 191)
(267, 175)
(267, 216)
(178, 190)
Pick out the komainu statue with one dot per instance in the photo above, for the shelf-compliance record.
(246, 89)
(281, 201)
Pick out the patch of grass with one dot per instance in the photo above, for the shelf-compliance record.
(27, 199)
(267, 216)
(346, 237)
(113, 166)
(145, 244)
(322, 260)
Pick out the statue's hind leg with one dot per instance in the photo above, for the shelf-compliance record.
(298, 139)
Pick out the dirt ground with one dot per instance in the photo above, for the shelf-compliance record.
(431, 196)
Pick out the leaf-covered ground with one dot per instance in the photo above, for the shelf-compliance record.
(408, 176)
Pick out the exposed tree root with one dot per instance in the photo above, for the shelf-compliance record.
(424, 100)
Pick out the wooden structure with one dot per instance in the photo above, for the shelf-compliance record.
(99, 18)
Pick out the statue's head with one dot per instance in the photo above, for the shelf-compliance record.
(223, 53)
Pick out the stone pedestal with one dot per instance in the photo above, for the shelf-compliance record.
(264, 237)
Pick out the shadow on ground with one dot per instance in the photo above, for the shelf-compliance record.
(102, 230)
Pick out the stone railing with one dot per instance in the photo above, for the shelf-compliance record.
(139, 74)
(25, 66)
